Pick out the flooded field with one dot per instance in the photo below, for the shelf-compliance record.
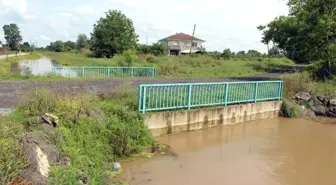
(265, 152)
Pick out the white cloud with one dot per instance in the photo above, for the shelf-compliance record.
(44, 38)
(84, 10)
(221, 24)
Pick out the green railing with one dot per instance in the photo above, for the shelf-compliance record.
(102, 72)
(155, 97)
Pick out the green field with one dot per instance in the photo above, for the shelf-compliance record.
(181, 66)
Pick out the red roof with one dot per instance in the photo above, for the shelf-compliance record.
(182, 36)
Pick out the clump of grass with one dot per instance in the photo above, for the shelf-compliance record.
(12, 160)
(297, 82)
(289, 109)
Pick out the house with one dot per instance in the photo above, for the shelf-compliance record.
(181, 43)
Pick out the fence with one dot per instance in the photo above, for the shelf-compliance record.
(103, 72)
(154, 97)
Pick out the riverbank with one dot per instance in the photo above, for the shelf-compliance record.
(75, 139)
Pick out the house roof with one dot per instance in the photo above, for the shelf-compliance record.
(182, 36)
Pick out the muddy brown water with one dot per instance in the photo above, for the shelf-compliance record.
(267, 152)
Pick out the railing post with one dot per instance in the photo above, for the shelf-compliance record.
(189, 95)
(153, 72)
(108, 72)
(132, 72)
(139, 97)
(256, 92)
(144, 100)
(280, 90)
(226, 91)
(83, 72)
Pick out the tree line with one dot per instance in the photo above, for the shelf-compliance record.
(307, 34)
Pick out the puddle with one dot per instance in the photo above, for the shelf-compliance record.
(43, 67)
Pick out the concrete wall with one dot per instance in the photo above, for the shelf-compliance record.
(168, 122)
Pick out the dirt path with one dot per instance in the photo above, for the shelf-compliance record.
(12, 55)
(12, 91)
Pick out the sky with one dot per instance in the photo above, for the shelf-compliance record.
(221, 23)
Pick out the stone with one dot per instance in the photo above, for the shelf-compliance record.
(116, 166)
(323, 99)
(306, 113)
(319, 110)
(50, 119)
(303, 96)
(331, 114)
(315, 101)
(41, 154)
(332, 102)
(66, 161)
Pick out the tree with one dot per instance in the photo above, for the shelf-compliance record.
(143, 49)
(12, 36)
(158, 49)
(253, 53)
(69, 45)
(113, 34)
(307, 34)
(241, 53)
(82, 41)
(25, 46)
(227, 54)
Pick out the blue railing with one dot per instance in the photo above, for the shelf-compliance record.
(102, 72)
(155, 97)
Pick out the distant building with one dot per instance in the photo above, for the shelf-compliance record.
(181, 43)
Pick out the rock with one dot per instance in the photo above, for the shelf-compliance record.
(116, 166)
(50, 119)
(332, 102)
(331, 114)
(306, 113)
(315, 101)
(319, 110)
(323, 99)
(41, 155)
(303, 96)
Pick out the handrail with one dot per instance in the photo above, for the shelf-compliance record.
(156, 97)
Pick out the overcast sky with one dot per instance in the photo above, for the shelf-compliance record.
(221, 23)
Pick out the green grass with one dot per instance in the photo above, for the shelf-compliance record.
(92, 144)
(181, 66)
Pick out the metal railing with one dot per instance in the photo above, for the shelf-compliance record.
(155, 97)
(102, 72)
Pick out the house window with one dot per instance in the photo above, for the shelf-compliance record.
(175, 43)
(194, 44)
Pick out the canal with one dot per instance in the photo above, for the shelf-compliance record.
(265, 152)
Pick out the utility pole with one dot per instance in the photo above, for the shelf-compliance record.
(193, 37)
(146, 40)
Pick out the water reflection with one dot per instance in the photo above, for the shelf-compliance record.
(39, 67)
(44, 67)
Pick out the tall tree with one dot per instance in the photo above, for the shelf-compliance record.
(227, 54)
(12, 35)
(307, 34)
(113, 34)
(69, 45)
(25, 46)
(82, 41)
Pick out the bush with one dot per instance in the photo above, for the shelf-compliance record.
(297, 82)
(289, 109)
(37, 102)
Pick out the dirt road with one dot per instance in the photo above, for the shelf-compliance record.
(12, 55)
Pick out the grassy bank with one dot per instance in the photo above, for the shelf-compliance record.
(303, 82)
(93, 132)
(181, 66)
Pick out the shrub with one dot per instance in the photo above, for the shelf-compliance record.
(37, 102)
(297, 82)
(289, 109)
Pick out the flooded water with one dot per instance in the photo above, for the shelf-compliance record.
(39, 67)
(266, 152)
